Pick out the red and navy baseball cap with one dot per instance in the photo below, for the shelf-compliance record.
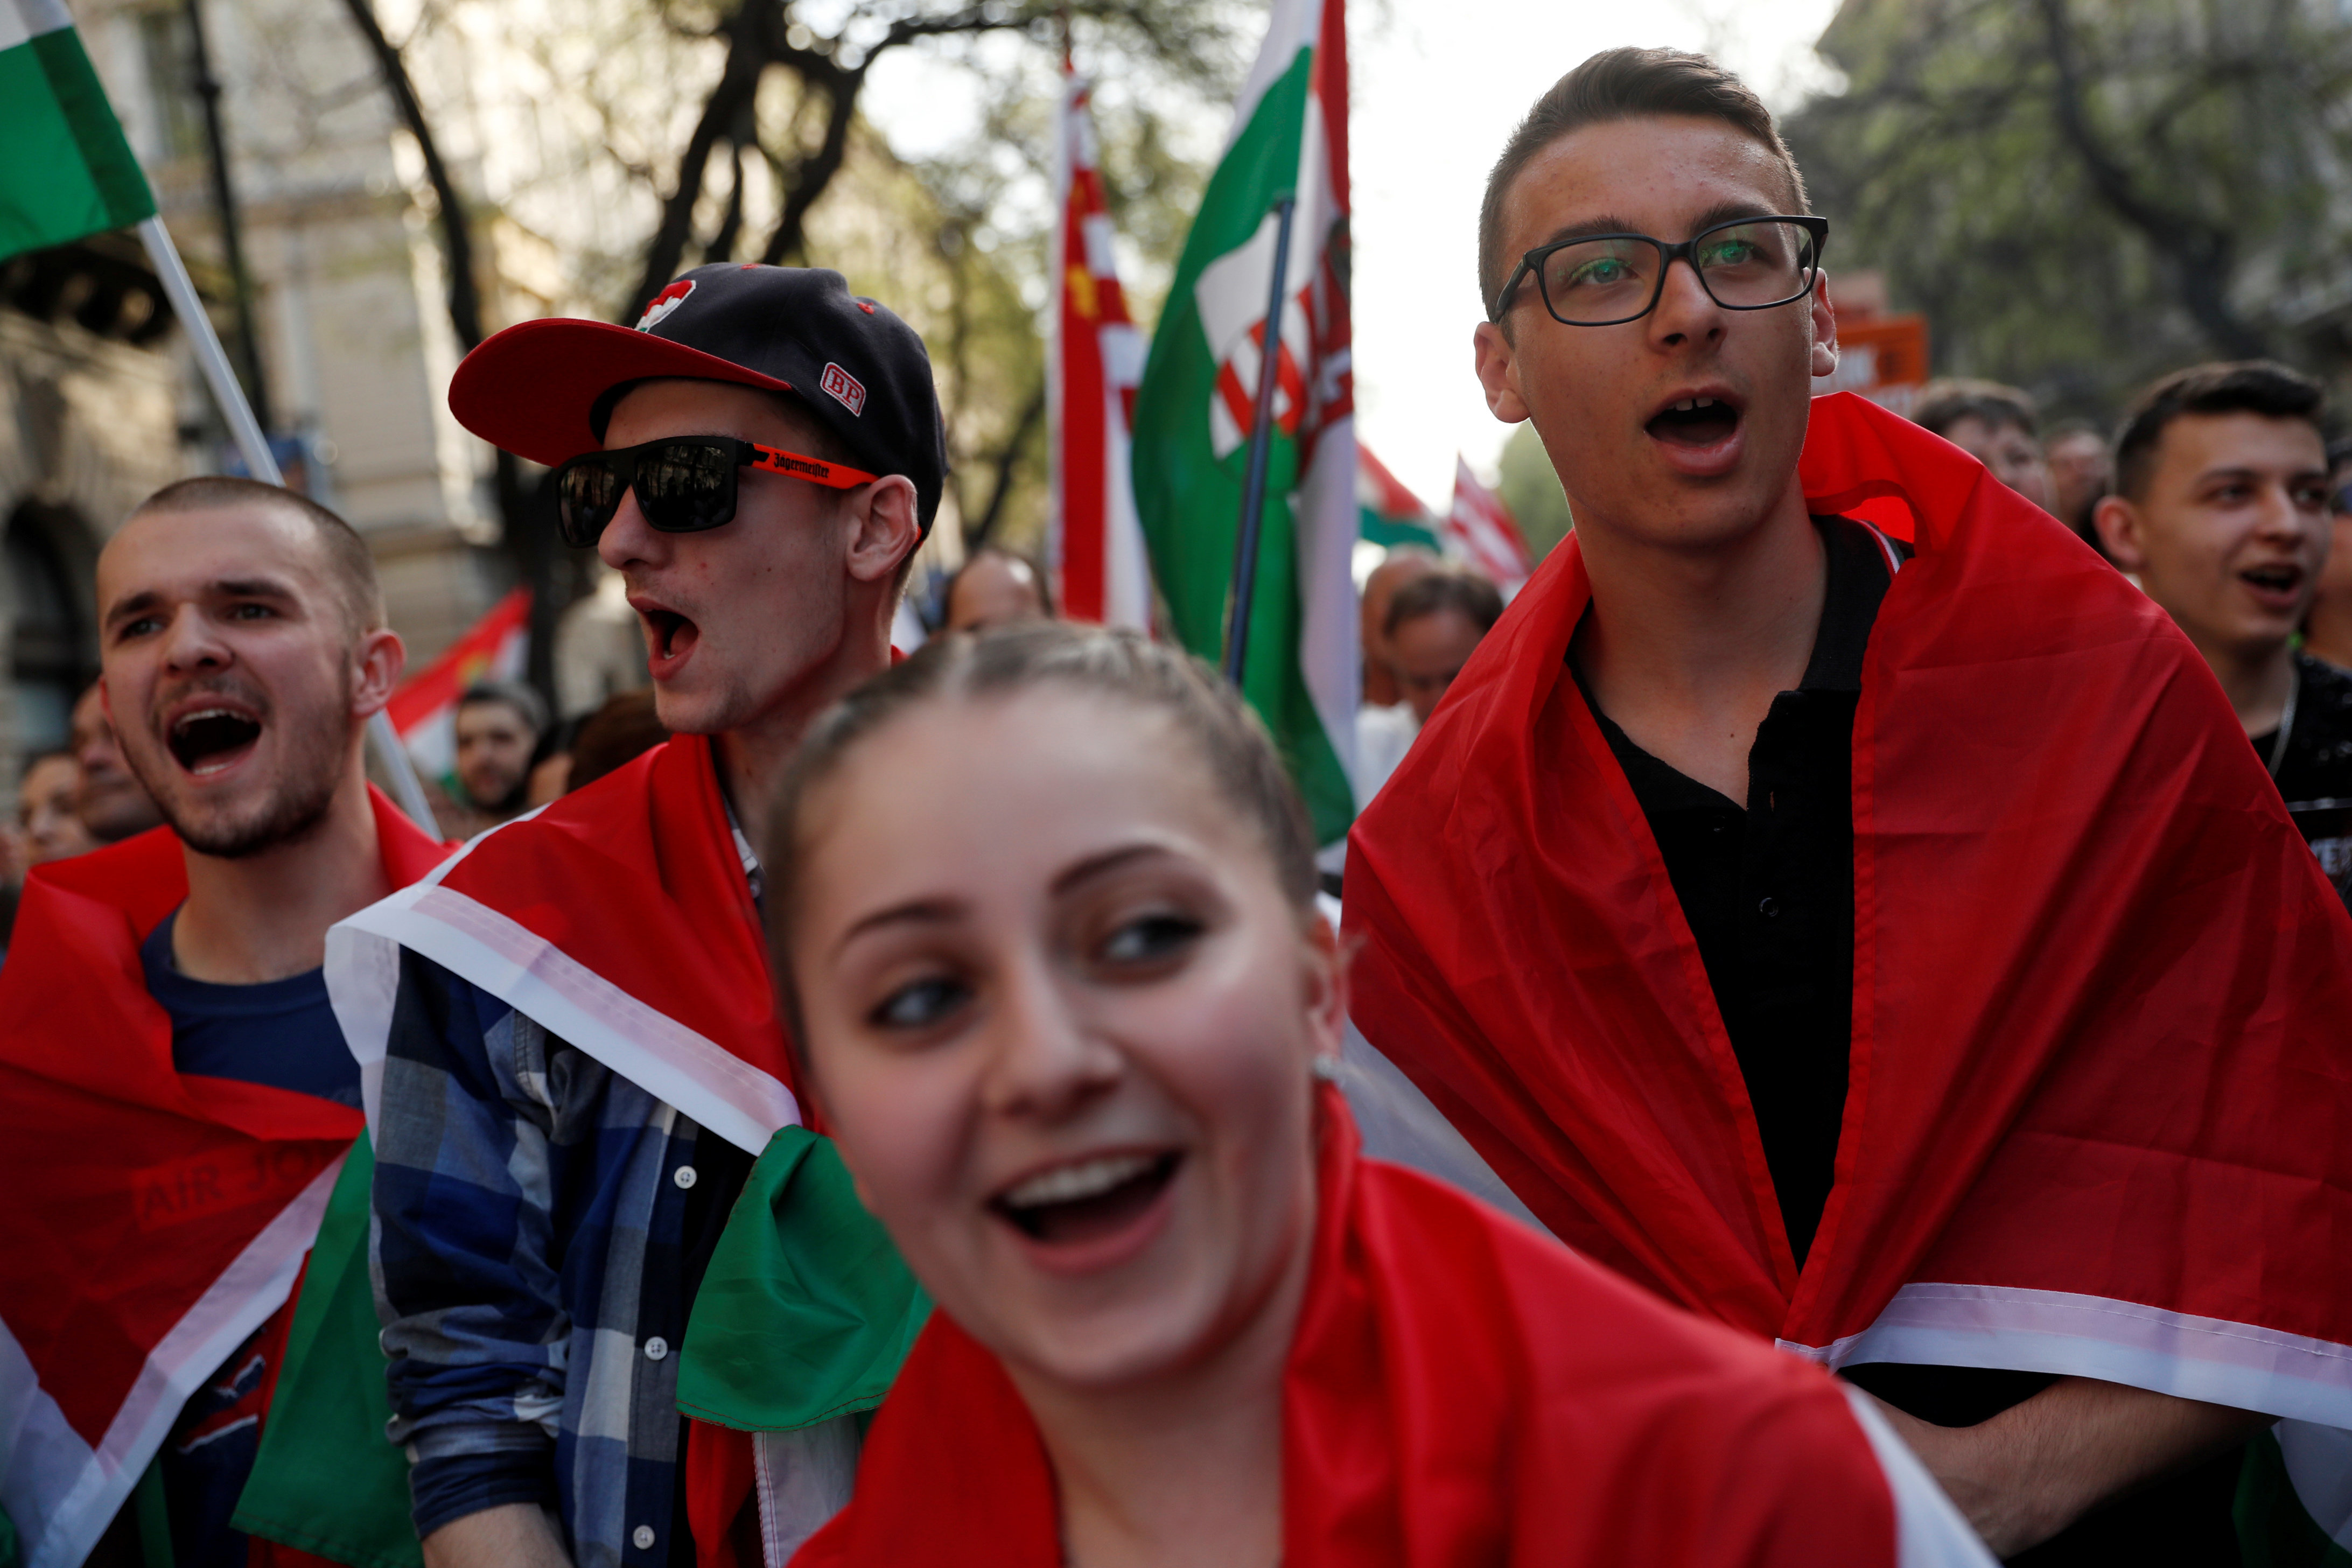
(539, 388)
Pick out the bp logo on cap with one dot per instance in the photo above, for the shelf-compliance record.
(844, 388)
(663, 303)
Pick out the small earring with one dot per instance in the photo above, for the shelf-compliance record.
(1326, 1068)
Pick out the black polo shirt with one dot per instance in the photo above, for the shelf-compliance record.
(1767, 889)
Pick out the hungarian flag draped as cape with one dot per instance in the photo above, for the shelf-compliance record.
(618, 918)
(1459, 1391)
(154, 1221)
(2098, 1121)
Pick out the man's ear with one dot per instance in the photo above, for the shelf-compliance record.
(2122, 531)
(1498, 373)
(1825, 344)
(377, 661)
(883, 530)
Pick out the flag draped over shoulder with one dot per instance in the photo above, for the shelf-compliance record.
(423, 711)
(2098, 1121)
(68, 173)
(154, 1220)
(618, 919)
(1480, 530)
(1095, 358)
(1197, 405)
(1459, 1391)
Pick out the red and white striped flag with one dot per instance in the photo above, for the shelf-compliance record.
(1481, 530)
(1101, 571)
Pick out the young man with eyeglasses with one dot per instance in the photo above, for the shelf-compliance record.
(569, 1035)
(1837, 899)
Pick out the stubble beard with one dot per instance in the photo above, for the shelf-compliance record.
(296, 802)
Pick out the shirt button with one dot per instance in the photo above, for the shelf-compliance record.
(1769, 908)
(643, 1537)
(656, 1348)
(683, 1176)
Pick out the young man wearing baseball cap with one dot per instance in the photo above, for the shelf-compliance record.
(569, 1038)
(1838, 900)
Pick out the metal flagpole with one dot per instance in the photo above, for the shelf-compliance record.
(263, 464)
(1261, 450)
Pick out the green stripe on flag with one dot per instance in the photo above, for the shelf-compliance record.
(327, 1479)
(1189, 499)
(69, 172)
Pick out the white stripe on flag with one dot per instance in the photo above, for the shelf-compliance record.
(21, 21)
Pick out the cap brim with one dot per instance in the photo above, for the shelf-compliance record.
(531, 387)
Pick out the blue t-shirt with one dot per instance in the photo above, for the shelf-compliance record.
(282, 1033)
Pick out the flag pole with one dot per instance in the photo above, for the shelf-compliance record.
(263, 464)
(1261, 450)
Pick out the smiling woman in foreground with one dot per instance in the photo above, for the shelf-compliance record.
(1044, 914)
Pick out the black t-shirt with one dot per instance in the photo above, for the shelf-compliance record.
(282, 1033)
(1768, 891)
(2314, 768)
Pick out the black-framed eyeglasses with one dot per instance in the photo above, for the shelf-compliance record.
(1604, 280)
(684, 484)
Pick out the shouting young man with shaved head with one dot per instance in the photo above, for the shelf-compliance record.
(176, 1094)
(1839, 901)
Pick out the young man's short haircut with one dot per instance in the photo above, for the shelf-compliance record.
(527, 704)
(2244, 386)
(1944, 403)
(1465, 593)
(348, 560)
(1621, 84)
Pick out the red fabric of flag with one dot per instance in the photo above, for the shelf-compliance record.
(155, 1219)
(2098, 1119)
(1459, 1391)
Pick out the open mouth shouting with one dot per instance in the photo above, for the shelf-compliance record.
(670, 637)
(2276, 586)
(1698, 430)
(211, 736)
(1092, 1212)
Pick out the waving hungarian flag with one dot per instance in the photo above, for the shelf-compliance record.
(425, 709)
(1481, 530)
(1097, 355)
(1387, 512)
(1198, 405)
(69, 172)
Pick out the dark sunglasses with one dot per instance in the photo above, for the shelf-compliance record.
(684, 484)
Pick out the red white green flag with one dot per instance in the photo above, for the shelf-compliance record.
(68, 173)
(1198, 404)
(1389, 514)
(1101, 570)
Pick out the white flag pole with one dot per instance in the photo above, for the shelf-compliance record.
(263, 464)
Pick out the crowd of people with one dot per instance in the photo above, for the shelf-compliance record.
(1827, 1043)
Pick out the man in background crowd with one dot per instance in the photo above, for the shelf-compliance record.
(2328, 629)
(2222, 510)
(498, 725)
(111, 802)
(1403, 563)
(176, 1094)
(622, 731)
(2081, 467)
(45, 813)
(995, 588)
(1433, 624)
(1994, 424)
(46, 828)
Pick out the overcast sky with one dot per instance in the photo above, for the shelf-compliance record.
(1438, 86)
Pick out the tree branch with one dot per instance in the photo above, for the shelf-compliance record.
(1007, 457)
(748, 55)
